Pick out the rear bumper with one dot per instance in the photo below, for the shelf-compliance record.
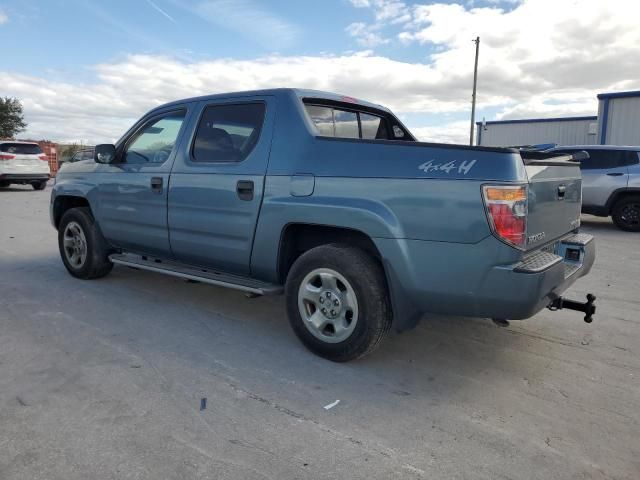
(487, 279)
(520, 291)
(24, 177)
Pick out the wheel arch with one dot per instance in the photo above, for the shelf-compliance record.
(619, 194)
(297, 238)
(63, 203)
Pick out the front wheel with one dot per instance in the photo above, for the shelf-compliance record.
(84, 251)
(626, 214)
(337, 302)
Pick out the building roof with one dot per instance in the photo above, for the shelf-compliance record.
(538, 120)
(632, 93)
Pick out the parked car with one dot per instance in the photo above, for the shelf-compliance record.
(331, 201)
(23, 163)
(610, 183)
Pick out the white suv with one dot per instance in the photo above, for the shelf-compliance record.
(24, 163)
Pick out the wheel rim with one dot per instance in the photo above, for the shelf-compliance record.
(630, 214)
(75, 244)
(328, 305)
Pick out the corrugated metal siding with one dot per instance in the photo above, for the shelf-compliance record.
(560, 132)
(623, 125)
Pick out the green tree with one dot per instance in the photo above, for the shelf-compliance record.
(11, 117)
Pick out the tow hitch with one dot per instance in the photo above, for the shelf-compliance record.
(587, 307)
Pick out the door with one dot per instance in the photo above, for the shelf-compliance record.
(602, 173)
(132, 192)
(217, 183)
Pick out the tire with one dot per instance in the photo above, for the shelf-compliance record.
(4, 184)
(353, 283)
(39, 185)
(626, 213)
(78, 233)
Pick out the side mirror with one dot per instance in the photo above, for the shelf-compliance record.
(105, 153)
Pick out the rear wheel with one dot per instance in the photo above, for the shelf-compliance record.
(337, 302)
(39, 185)
(84, 252)
(626, 214)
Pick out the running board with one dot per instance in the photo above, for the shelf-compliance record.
(198, 274)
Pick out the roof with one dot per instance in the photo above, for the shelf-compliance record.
(598, 147)
(538, 120)
(299, 92)
(632, 93)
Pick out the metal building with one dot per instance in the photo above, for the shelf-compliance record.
(533, 131)
(619, 115)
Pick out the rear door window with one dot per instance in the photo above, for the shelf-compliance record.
(228, 133)
(605, 159)
(21, 148)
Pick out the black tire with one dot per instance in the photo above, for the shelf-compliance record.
(626, 213)
(4, 184)
(96, 263)
(367, 280)
(39, 185)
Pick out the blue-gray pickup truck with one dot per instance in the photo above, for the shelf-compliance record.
(331, 201)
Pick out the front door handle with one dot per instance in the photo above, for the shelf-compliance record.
(615, 174)
(245, 189)
(156, 184)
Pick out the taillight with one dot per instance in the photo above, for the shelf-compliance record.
(507, 212)
(42, 157)
(7, 157)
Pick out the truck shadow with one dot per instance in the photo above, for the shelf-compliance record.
(215, 334)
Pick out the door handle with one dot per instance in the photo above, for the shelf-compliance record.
(245, 189)
(615, 174)
(156, 184)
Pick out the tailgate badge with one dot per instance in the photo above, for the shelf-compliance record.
(536, 238)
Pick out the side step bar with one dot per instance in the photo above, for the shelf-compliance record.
(197, 274)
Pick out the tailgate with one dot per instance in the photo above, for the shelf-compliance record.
(555, 196)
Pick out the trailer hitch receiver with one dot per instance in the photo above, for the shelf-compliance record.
(587, 307)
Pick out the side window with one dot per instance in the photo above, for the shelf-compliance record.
(373, 127)
(228, 133)
(155, 141)
(603, 159)
(631, 158)
(322, 117)
(346, 124)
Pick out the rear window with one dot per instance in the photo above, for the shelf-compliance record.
(341, 123)
(21, 148)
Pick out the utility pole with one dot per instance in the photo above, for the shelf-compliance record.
(473, 97)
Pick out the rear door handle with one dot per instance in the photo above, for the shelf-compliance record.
(156, 184)
(615, 174)
(244, 188)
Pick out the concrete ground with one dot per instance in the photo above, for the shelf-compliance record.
(104, 379)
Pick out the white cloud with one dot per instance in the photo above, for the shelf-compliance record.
(365, 35)
(3, 17)
(360, 3)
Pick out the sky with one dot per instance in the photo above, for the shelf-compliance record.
(85, 70)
